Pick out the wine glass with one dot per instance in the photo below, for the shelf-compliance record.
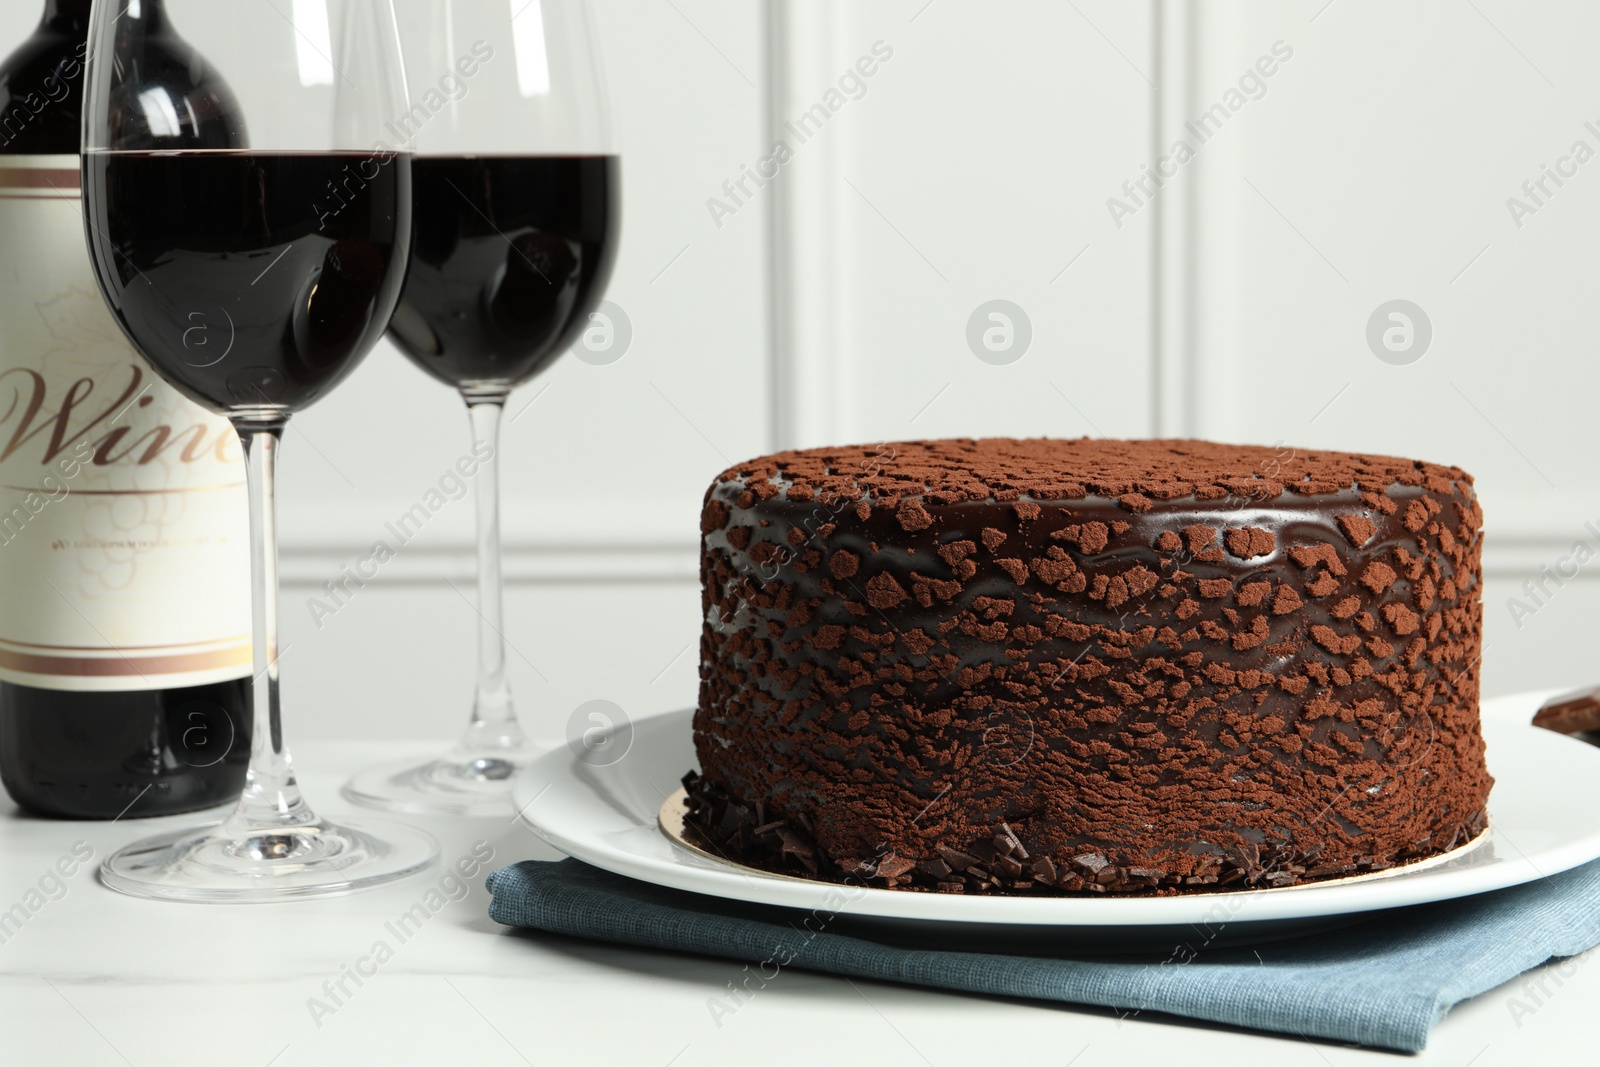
(516, 224)
(249, 228)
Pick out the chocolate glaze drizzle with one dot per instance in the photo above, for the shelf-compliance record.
(1088, 666)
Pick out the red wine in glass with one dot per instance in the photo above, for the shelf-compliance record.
(510, 255)
(251, 279)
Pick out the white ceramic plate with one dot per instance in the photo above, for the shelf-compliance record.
(1543, 819)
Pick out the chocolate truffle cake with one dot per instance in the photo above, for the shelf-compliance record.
(1088, 666)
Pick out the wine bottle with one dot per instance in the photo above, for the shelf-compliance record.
(125, 644)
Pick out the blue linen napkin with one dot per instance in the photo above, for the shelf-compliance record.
(1383, 983)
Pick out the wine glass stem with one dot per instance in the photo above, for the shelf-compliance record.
(494, 727)
(271, 798)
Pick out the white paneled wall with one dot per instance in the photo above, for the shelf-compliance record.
(597, 456)
(973, 170)
(604, 464)
(975, 164)
(1378, 166)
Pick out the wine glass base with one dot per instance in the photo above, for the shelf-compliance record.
(457, 784)
(204, 865)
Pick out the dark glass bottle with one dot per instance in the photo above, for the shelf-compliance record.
(124, 617)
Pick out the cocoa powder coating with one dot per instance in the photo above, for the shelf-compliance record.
(1088, 666)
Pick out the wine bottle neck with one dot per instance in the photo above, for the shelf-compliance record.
(61, 14)
(65, 10)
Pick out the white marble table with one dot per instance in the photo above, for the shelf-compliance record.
(95, 978)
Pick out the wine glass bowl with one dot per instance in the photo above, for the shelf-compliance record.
(516, 221)
(249, 228)
(510, 255)
(234, 273)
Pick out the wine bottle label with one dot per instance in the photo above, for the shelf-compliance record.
(124, 522)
